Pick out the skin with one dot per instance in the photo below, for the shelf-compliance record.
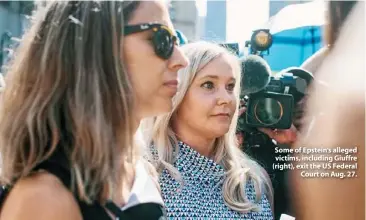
(342, 125)
(32, 194)
(197, 122)
(145, 68)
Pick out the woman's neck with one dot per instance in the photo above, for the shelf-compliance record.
(125, 186)
(202, 145)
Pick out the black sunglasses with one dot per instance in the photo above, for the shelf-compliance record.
(163, 38)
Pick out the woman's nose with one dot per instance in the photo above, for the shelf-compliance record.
(224, 97)
(178, 60)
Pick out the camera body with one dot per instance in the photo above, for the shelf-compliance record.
(273, 106)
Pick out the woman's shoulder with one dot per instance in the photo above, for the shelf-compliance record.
(42, 196)
(251, 192)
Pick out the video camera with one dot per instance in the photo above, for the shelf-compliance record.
(270, 100)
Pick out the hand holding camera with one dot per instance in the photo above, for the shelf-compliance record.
(281, 136)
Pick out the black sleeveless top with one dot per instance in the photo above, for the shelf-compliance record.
(96, 211)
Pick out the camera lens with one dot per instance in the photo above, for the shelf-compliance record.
(268, 111)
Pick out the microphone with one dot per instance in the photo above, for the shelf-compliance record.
(256, 74)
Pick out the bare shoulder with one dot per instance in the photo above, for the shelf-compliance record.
(41, 196)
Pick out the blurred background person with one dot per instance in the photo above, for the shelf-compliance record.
(337, 107)
(83, 77)
(314, 62)
(204, 174)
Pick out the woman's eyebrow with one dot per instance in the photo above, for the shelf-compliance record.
(215, 77)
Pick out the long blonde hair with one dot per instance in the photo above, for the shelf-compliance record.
(239, 167)
(67, 89)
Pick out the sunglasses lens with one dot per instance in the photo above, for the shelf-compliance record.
(163, 43)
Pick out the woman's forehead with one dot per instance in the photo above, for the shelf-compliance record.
(151, 11)
(220, 67)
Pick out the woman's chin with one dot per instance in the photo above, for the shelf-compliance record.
(219, 132)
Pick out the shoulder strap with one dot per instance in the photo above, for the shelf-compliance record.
(57, 170)
(146, 211)
(60, 170)
(112, 207)
(4, 191)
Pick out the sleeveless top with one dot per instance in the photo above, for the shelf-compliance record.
(144, 202)
(200, 196)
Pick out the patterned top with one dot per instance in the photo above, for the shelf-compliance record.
(201, 193)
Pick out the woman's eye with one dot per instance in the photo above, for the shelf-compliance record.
(207, 85)
(231, 87)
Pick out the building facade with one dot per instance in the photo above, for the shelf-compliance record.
(185, 17)
(215, 21)
(13, 21)
(200, 19)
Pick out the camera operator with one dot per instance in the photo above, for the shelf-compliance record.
(265, 155)
(263, 143)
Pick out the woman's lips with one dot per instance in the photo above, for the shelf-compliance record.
(223, 115)
(172, 87)
(171, 83)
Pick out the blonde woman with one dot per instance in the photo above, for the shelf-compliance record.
(84, 76)
(203, 172)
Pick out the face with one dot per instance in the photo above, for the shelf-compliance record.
(209, 104)
(154, 79)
